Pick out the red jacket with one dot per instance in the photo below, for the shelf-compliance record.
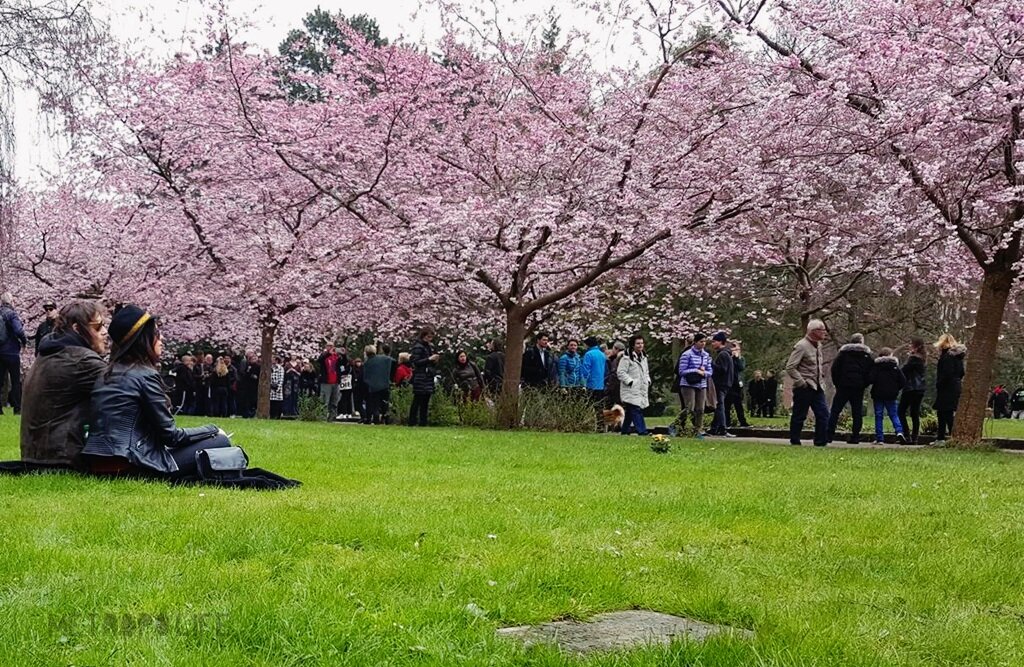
(403, 374)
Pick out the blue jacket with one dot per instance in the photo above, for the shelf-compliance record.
(15, 332)
(689, 362)
(593, 368)
(569, 374)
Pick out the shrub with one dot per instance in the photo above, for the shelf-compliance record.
(442, 408)
(557, 410)
(477, 414)
(540, 410)
(312, 409)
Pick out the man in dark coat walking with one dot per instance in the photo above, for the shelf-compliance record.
(734, 397)
(850, 372)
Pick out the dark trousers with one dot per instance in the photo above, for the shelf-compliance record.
(377, 406)
(804, 399)
(345, 406)
(945, 423)
(185, 456)
(719, 423)
(910, 402)
(734, 401)
(419, 409)
(10, 365)
(634, 415)
(855, 397)
(275, 409)
(219, 402)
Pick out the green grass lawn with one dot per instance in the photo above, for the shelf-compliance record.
(833, 557)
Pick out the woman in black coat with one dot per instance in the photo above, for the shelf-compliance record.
(948, 379)
(424, 368)
(913, 393)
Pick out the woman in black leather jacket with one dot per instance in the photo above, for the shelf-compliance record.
(132, 429)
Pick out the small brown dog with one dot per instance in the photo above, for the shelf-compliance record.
(613, 418)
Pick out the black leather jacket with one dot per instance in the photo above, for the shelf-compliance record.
(131, 418)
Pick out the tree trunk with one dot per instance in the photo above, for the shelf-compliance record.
(981, 354)
(267, 333)
(508, 403)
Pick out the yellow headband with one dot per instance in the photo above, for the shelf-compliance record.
(146, 317)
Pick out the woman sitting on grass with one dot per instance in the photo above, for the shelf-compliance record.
(132, 429)
(59, 386)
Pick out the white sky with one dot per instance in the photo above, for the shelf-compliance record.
(162, 27)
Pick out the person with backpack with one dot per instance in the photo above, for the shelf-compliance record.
(12, 340)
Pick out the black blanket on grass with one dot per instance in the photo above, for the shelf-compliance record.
(252, 478)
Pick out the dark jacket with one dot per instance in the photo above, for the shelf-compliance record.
(467, 377)
(131, 419)
(423, 369)
(494, 371)
(758, 391)
(1017, 399)
(55, 400)
(852, 367)
(183, 378)
(738, 366)
(914, 371)
(886, 379)
(42, 331)
(723, 371)
(15, 332)
(377, 372)
(538, 372)
(949, 376)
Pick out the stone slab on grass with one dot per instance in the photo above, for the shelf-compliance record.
(618, 630)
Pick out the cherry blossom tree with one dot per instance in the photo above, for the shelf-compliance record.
(212, 147)
(934, 89)
(539, 186)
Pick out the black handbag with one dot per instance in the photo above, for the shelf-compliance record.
(693, 377)
(221, 463)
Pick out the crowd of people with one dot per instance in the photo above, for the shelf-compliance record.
(709, 378)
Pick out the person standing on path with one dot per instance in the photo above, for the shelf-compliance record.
(723, 376)
(329, 393)
(887, 381)
(913, 393)
(850, 372)
(634, 385)
(424, 368)
(694, 370)
(949, 377)
(804, 369)
(734, 397)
